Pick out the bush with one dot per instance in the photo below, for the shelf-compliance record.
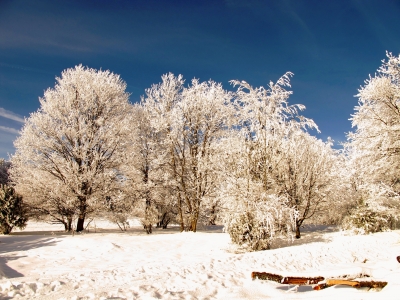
(365, 220)
(255, 225)
(247, 231)
(12, 210)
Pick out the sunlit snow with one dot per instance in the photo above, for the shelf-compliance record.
(42, 262)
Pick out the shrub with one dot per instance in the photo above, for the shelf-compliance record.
(365, 220)
(254, 226)
(12, 210)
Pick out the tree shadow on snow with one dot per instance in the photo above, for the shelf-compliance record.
(13, 243)
(309, 234)
(6, 271)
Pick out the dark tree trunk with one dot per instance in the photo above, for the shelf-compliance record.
(79, 225)
(181, 222)
(299, 222)
(297, 231)
(82, 210)
(69, 224)
(148, 226)
(6, 229)
(164, 221)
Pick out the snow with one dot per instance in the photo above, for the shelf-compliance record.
(42, 262)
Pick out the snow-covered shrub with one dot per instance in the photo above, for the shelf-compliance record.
(150, 218)
(254, 226)
(12, 210)
(365, 220)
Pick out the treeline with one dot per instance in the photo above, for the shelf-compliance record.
(193, 153)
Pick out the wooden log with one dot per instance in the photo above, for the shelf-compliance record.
(373, 284)
(266, 276)
(302, 280)
(352, 283)
(287, 279)
(330, 282)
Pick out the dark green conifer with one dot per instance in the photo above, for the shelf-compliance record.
(13, 213)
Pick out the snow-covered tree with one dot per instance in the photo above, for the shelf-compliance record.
(277, 175)
(374, 147)
(307, 175)
(145, 176)
(188, 119)
(71, 150)
(13, 212)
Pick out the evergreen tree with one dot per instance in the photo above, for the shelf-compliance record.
(12, 210)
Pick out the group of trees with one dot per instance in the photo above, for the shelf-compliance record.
(190, 153)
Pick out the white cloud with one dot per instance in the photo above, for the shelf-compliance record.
(9, 129)
(10, 115)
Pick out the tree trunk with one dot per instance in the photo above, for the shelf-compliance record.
(181, 222)
(164, 221)
(297, 231)
(193, 225)
(68, 224)
(65, 226)
(194, 218)
(69, 228)
(148, 228)
(79, 225)
(6, 229)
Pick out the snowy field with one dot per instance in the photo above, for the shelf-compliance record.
(42, 262)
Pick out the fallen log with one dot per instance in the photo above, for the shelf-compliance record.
(352, 283)
(316, 281)
(286, 279)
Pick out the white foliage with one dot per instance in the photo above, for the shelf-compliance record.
(377, 121)
(374, 147)
(275, 174)
(189, 120)
(70, 150)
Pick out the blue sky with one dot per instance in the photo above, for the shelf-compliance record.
(330, 46)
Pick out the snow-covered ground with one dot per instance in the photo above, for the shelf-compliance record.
(41, 262)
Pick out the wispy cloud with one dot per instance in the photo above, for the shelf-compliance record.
(9, 129)
(10, 115)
